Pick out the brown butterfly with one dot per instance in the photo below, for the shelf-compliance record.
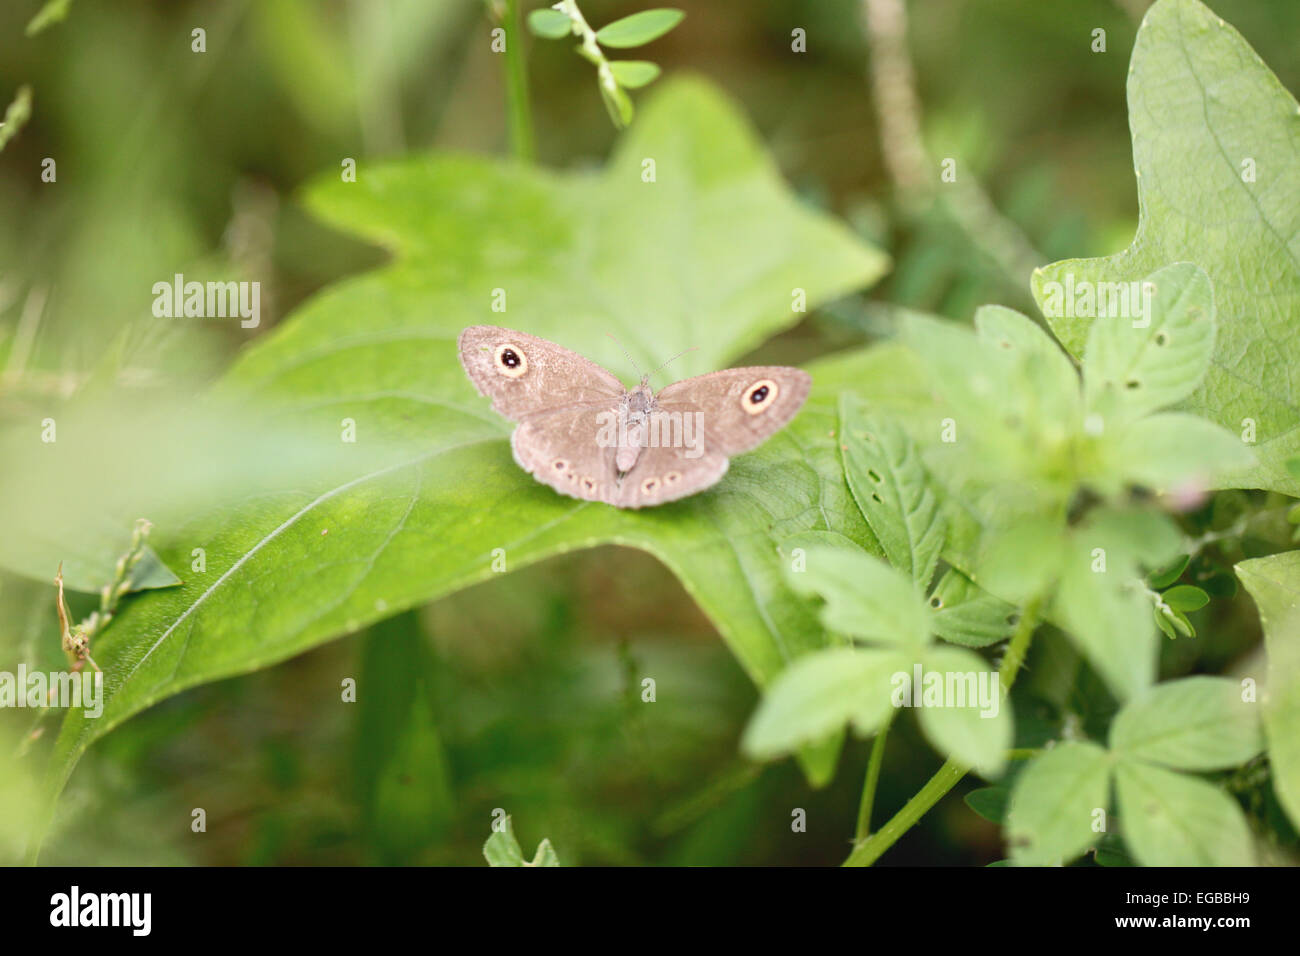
(586, 435)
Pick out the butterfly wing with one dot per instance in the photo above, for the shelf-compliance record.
(740, 408)
(565, 451)
(663, 474)
(527, 376)
(562, 449)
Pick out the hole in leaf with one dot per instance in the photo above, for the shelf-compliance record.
(1132, 384)
(874, 476)
(936, 601)
(1162, 338)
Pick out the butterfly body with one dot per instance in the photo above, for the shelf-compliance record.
(586, 435)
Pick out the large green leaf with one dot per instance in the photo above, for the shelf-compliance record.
(1274, 583)
(1174, 819)
(1214, 145)
(429, 499)
(1197, 723)
(1056, 804)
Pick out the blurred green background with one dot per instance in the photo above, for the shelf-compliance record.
(521, 693)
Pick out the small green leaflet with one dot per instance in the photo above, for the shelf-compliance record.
(503, 849)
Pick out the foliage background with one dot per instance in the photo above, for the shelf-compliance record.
(520, 692)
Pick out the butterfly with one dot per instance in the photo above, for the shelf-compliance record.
(585, 434)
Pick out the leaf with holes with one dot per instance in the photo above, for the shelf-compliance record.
(1218, 185)
(965, 614)
(1153, 354)
(893, 490)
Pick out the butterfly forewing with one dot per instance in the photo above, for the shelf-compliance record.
(741, 407)
(525, 375)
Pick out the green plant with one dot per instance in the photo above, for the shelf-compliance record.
(613, 77)
(952, 500)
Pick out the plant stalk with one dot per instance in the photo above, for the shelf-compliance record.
(517, 106)
(867, 851)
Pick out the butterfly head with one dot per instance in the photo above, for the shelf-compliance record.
(641, 398)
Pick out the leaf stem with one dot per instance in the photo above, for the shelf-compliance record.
(866, 852)
(517, 106)
(873, 778)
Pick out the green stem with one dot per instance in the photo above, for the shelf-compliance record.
(873, 778)
(867, 851)
(520, 114)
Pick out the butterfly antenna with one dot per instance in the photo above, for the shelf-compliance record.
(673, 359)
(629, 357)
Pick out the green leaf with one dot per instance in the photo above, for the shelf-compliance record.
(550, 24)
(865, 598)
(16, 115)
(618, 103)
(1023, 560)
(1055, 803)
(639, 28)
(1197, 723)
(634, 74)
(1172, 819)
(1106, 615)
(967, 615)
(976, 384)
(990, 803)
(1051, 396)
(1185, 597)
(1274, 583)
(1111, 851)
(973, 725)
(54, 11)
(1201, 104)
(430, 490)
(1154, 356)
(502, 849)
(1172, 449)
(88, 560)
(1161, 579)
(820, 693)
(890, 485)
